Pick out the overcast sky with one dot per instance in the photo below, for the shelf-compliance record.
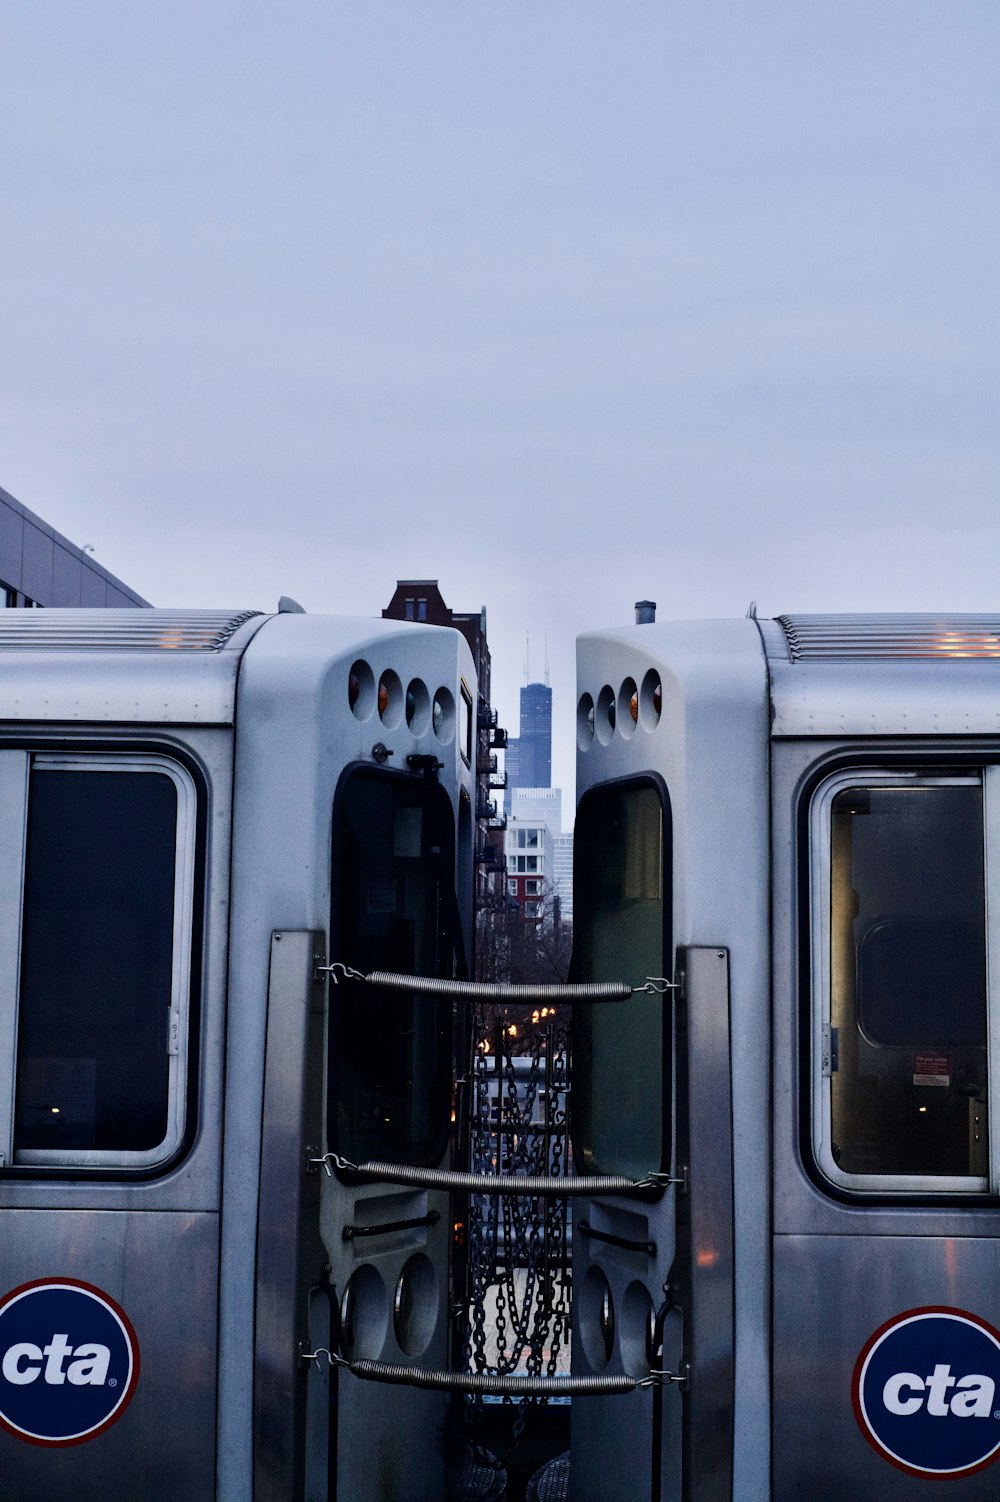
(562, 304)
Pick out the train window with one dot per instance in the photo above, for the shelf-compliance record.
(101, 977)
(394, 909)
(621, 868)
(900, 994)
(465, 744)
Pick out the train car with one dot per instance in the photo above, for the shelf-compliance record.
(796, 822)
(202, 812)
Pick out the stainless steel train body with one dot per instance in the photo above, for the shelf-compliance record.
(799, 821)
(197, 808)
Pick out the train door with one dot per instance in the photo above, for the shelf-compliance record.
(622, 1068)
(653, 1278)
(886, 1270)
(394, 908)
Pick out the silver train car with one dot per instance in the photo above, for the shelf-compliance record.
(234, 845)
(199, 811)
(797, 823)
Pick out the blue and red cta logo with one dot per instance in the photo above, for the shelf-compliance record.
(69, 1362)
(926, 1392)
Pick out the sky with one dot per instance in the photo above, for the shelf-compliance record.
(562, 304)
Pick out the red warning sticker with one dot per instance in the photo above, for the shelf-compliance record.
(932, 1069)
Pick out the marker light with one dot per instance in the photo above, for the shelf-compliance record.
(633, 705)
(383, 697)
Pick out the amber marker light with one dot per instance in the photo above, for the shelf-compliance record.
(383, 698)
(633, 705)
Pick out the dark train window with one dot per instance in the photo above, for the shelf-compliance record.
(467, 741)
(394, 909)
(621, 865)
(104, 964)
(900, 952)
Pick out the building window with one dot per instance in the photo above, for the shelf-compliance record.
(408, 610)
(532, 888)
(100, 1006)
(900, 996)
(512, 888)
(8, 597)
(532, 909)
(532, 863)
(421, 610)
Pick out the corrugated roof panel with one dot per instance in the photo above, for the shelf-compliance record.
(899, 638)
(120, 630)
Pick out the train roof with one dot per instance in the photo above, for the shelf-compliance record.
(883, 674)
(124, 630)
(884, 638)
(123, 666)
(151, 666)
(826, 675)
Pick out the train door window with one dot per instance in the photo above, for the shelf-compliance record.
(95, 958)
(901, 992)
(394, 909)
(621, 1051)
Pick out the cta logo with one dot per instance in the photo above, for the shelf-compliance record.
(927, 1392)
(69, 1362)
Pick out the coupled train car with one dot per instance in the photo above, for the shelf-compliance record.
(196, 806)
(236, 933)
(798, 819)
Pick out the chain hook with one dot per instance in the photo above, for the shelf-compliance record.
(656, 985)
(338, 971)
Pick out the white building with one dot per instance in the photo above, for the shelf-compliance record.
(539, 855)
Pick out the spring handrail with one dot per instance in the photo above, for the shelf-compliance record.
(499, 992)
(493, 1183)
(495, 1384)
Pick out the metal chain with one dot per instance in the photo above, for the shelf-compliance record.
(518, 1243)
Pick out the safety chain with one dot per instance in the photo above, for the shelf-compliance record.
(517, 1245)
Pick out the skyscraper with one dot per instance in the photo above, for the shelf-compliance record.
(534, 751)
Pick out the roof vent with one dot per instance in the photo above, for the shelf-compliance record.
(645, 612)
(876, 638)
